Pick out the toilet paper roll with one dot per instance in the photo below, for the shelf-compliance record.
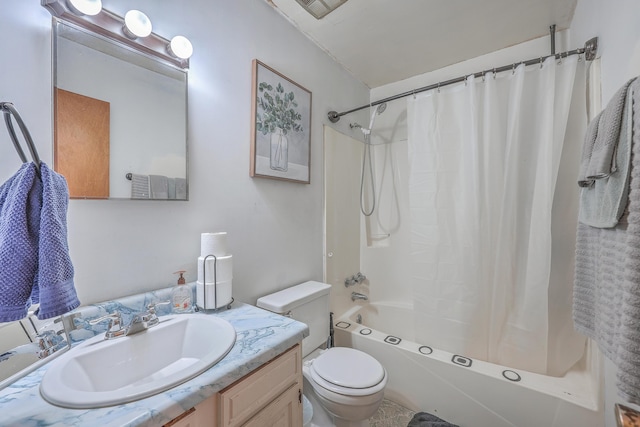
(216, 295)
(213, 244)
(223, 269)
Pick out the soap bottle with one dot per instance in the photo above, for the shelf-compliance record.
(181, 296)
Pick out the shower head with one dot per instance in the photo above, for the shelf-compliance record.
(378, 109)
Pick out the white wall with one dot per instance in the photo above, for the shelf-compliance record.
(615, 22)
(275, 229)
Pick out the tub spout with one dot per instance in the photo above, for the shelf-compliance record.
(358, 296)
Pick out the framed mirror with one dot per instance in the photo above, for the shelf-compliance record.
(120, 119)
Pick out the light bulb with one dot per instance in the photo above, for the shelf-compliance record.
(136, 24)
(85, 7)
(180, 47)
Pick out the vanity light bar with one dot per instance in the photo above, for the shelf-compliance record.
(109, 25)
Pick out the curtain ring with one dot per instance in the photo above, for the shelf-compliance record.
(579, 57)
(438, 87)
(413, 92)
(541, 62)
(494, 74)
(483, 77)
(513, 68)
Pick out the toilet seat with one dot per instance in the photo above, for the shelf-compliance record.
(348, 371)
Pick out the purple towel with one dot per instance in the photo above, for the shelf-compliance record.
(35, 266)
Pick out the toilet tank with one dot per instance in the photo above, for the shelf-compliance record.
(308, 303)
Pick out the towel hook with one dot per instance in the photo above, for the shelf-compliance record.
(8, 109)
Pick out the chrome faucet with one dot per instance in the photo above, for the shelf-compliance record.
(145, 320)
(139, 322)
(358, 296)
(114, 329)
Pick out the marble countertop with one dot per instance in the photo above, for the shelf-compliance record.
(261, 336)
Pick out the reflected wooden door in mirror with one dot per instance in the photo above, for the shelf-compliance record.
(81, 144)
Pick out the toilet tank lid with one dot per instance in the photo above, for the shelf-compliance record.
(290, 298)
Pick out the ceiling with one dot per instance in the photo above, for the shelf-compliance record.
(384, 41)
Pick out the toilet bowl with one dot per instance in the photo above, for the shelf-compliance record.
(349, 384)
(345, 386)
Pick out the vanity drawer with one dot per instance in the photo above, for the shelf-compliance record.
(245, 398)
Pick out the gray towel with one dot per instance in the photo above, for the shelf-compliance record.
(139, 186)
(603, 203)
(181, 188)
(587, 149)
(158, 187)
(602, 159)
(171, 188)
(424, 419)
(607, 282)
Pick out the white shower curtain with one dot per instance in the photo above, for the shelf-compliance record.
(484, 158)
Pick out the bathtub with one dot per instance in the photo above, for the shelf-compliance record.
(470, 393)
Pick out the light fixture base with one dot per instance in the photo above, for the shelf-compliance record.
(109, 25)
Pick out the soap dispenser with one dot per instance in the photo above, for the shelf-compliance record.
(181, 296)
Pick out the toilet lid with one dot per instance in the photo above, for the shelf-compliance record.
(349, 368)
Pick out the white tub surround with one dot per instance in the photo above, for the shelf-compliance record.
(261, 336)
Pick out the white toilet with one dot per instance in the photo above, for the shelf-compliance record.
(347, 384)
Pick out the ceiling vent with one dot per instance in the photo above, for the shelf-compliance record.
(320, 8)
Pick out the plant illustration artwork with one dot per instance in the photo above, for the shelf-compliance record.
(281, 119)
(278, 118)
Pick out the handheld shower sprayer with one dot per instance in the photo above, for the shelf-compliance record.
(366, 155)
(379, 109)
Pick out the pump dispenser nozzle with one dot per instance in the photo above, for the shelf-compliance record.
(181, 280)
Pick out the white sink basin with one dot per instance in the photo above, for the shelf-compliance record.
(102, 372)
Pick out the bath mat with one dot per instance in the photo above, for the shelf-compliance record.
(423, 419)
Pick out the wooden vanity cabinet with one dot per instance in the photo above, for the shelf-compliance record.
(269, 396)
(272, 395)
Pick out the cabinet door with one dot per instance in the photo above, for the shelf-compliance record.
(243, 399)
(284, 411)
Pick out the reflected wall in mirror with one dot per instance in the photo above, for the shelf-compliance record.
(120, 119)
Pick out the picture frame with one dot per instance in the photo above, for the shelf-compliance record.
(280, 126)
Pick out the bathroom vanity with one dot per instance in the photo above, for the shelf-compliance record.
(272, 395)
(258, 383)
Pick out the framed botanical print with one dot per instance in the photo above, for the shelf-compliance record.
(280, 126)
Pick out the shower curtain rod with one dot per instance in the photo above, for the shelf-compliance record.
(589, 50)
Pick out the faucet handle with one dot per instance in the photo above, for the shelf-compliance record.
(115, 328)
(151, 312)
(152, 306)
(350, 281)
